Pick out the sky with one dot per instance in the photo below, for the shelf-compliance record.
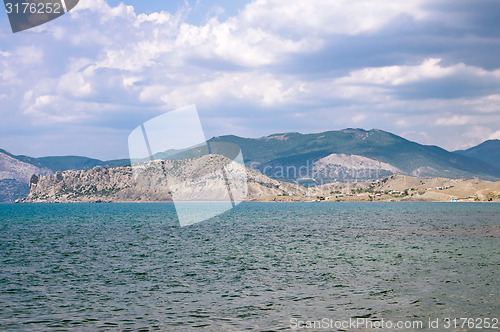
(79, 85)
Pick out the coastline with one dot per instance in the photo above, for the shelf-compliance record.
(97, 186)
(257, 201)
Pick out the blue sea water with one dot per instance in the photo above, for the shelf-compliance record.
(257, 267)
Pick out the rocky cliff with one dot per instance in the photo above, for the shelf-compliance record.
(189, 179)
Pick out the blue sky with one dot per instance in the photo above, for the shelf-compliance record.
(426, 70)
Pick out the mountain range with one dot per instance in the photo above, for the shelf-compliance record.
(217, 178)
(64, 163)
(274, 153)
(348, 155)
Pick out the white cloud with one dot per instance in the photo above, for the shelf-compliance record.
(478, 134)
(495, 135)
(19, 63)
(76, 84)
(256, 88)
(487, 104)
(455, 120)
(231, 41)
(400, 75)
(106, 12)
(358, 118)
(101, 61)
(265, 30)
(164, 49)
(325, 17)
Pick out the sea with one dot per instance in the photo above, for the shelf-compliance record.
(258, 267)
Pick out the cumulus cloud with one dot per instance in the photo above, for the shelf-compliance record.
(275, 66)
(429, 69)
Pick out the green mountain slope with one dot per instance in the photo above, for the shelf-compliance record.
(78, 163)
(488, 151)
(294, 156)
(302, 150)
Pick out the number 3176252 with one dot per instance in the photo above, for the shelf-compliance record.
(34, 8)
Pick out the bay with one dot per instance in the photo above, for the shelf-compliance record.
(259, 266)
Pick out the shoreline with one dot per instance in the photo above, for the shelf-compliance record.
(253, 201)
(396, 188)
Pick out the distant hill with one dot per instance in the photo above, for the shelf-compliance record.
(11, 190)
(293, 151)
(349, 155)
(488, 151)
(12, 168)
(65, 163)
(14, 177)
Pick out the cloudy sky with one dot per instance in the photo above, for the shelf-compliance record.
(426, 70)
